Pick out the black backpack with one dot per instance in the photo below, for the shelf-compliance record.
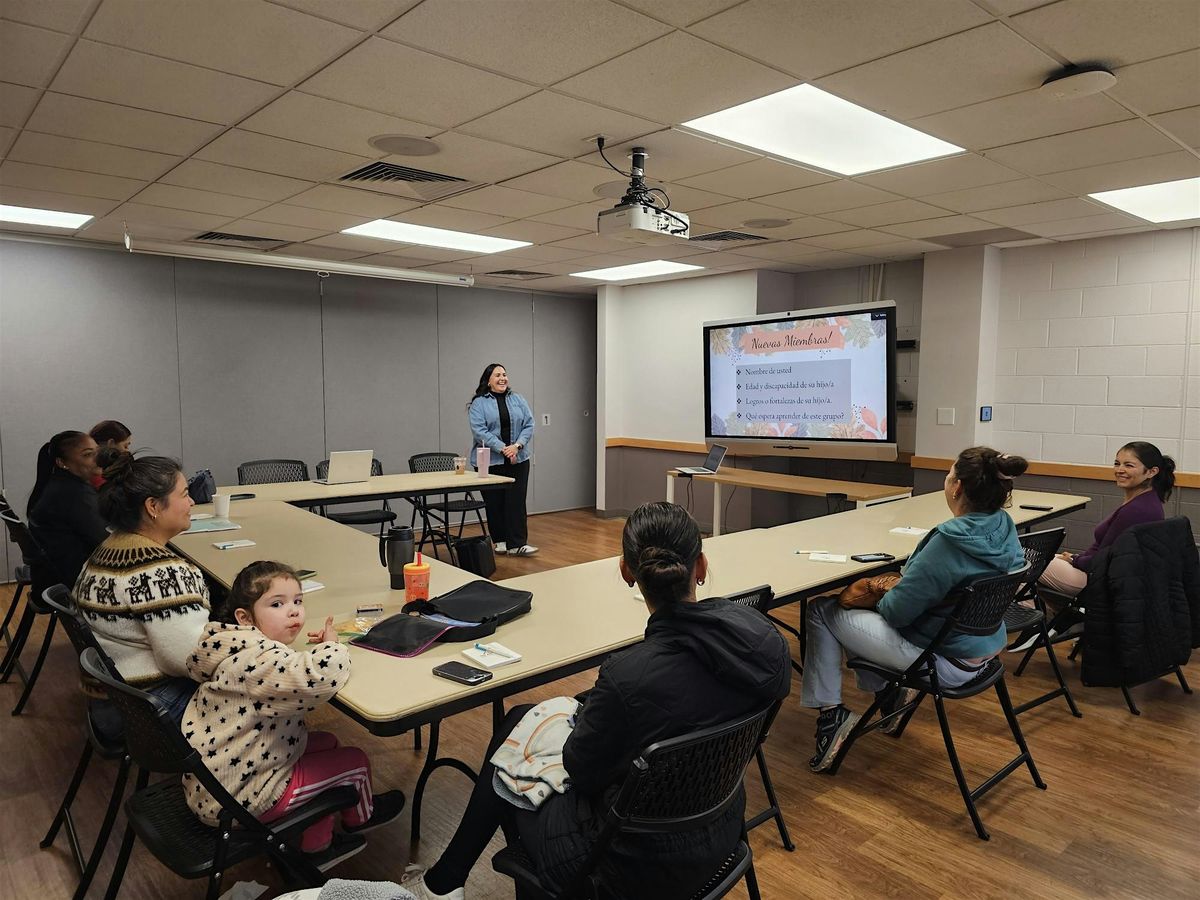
(202, 486)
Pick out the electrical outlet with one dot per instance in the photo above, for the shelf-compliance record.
(546, 418)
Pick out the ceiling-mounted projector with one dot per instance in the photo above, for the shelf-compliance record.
(643, 215)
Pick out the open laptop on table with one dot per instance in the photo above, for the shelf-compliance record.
(711, 464)
(346, 466)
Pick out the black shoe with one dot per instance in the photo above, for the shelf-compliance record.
(833, 727)
(387, 809)
(899, 698)
(340, 849)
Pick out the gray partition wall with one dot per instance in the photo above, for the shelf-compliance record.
(216, 363)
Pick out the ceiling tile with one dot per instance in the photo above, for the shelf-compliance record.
(507, 202)
(1172, 82)
(1116, 33)
(412, 84)
(582, 217)
(941, 175)
(572, 179)
(986, 62)
(901, 249)
(1130, 173)
(889, 213)
(366, 15)
(1012, 7)
(11, 195)
(681, 13)
(537, 233)
(303, 217)
(672, 155)
(176, 197)
(316, 251)
(111, 228)
(16, 100)
(597, 261)
(352, 201)
(993, 196)
(269, 154)
(785, 251)
(29, 55)
(426, 254)
(732, 215)
(250, 38)
(326, 123)
(87, 156)
(57, 15)
(1183, 124)
(274, 230)
(757, 178)
(7, 135)
(835, 259)
(139, 214)
(594, 243)
(1019, 117)
(812, 37)
(1089, 147)
(572, 35)
(356, 242)
(65, 181)
(125, 126)
(1086, 225)
(208, 176)
(121, 76)
(676, 78)
(798, 227)
(541, 254)
(1030, 213)
(823, 198)
(453, 219)
(848, 240)
(552, 123)
(476, 159)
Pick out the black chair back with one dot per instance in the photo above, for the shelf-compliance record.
(19, 533)
(1040, 547)
(979, 607)
(323, 468)
(756, 598)
(431, 462)
(59, 600)
(271, 471)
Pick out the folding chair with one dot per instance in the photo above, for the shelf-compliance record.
(33, 566)
(272, 471)
(435, 516)
(380, 517)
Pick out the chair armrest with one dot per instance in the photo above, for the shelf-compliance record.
(323, 804)
(859, 662)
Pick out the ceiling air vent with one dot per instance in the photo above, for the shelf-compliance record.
(519, 274)
(240, 240)
(406, 181)
(714, 237)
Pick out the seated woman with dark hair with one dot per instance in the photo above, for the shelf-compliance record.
(112, 439)
(145, 604)
(895, 629)
(63, 513)
(701, 663)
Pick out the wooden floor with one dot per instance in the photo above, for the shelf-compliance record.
(1119, 818)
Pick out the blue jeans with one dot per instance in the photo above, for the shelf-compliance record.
(865, 633)
(174, 693)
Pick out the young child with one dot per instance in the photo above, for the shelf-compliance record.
(247, 717)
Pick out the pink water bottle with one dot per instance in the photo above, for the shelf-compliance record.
(482, 457)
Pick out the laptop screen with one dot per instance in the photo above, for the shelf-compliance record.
(715, 455)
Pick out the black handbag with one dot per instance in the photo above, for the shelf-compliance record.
(475, 555)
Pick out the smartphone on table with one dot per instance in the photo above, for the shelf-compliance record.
(462, 673)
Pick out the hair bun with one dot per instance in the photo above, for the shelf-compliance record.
(659, 556)
(1009, 466)
(119, 468)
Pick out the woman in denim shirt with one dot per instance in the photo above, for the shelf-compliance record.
(503, 422)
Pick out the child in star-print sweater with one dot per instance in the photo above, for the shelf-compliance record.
(247, 717)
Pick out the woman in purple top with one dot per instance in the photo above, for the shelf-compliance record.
(1147, 478)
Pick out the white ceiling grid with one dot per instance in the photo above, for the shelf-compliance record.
(243, 115)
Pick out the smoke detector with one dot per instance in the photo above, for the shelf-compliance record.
(1078, 81)
(404, 145)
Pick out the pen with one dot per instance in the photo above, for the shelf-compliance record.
(811, 551)
(482, 649)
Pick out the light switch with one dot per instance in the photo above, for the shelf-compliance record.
(945, 415)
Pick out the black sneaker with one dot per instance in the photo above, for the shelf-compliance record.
(833, 727)
(340, 849)
(387, 808)
(900, 698)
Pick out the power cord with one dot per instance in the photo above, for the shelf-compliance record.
(637, 192)
(725, 515)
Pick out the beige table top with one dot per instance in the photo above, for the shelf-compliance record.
(800, 484)
(377, 487)
(580, 613)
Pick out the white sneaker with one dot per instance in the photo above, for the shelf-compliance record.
(501, 548)
(413, 881)
(523, 550)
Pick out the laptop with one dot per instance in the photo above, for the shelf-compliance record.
(715, 455)
(346, 466)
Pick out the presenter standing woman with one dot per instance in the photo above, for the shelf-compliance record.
(502, 421)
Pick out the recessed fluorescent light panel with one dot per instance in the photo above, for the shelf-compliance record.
(638, 270)
(813, 127)
(28, 216)
(404, 233)
(1169, 201)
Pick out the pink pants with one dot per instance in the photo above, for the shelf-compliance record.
(325, 765)
(1064, 578)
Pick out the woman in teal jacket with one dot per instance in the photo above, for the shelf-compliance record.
(980, 540)
(502, 421)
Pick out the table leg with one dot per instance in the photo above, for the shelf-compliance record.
(433, 762)
(670, 489)
(716, 508)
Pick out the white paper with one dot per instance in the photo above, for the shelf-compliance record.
(828, 557)
(908, 529)
(307, 586)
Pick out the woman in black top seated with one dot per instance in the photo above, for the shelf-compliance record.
(64, 513)
(701, 663)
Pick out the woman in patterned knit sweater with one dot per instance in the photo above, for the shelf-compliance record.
(247, 718)
(146, 605)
